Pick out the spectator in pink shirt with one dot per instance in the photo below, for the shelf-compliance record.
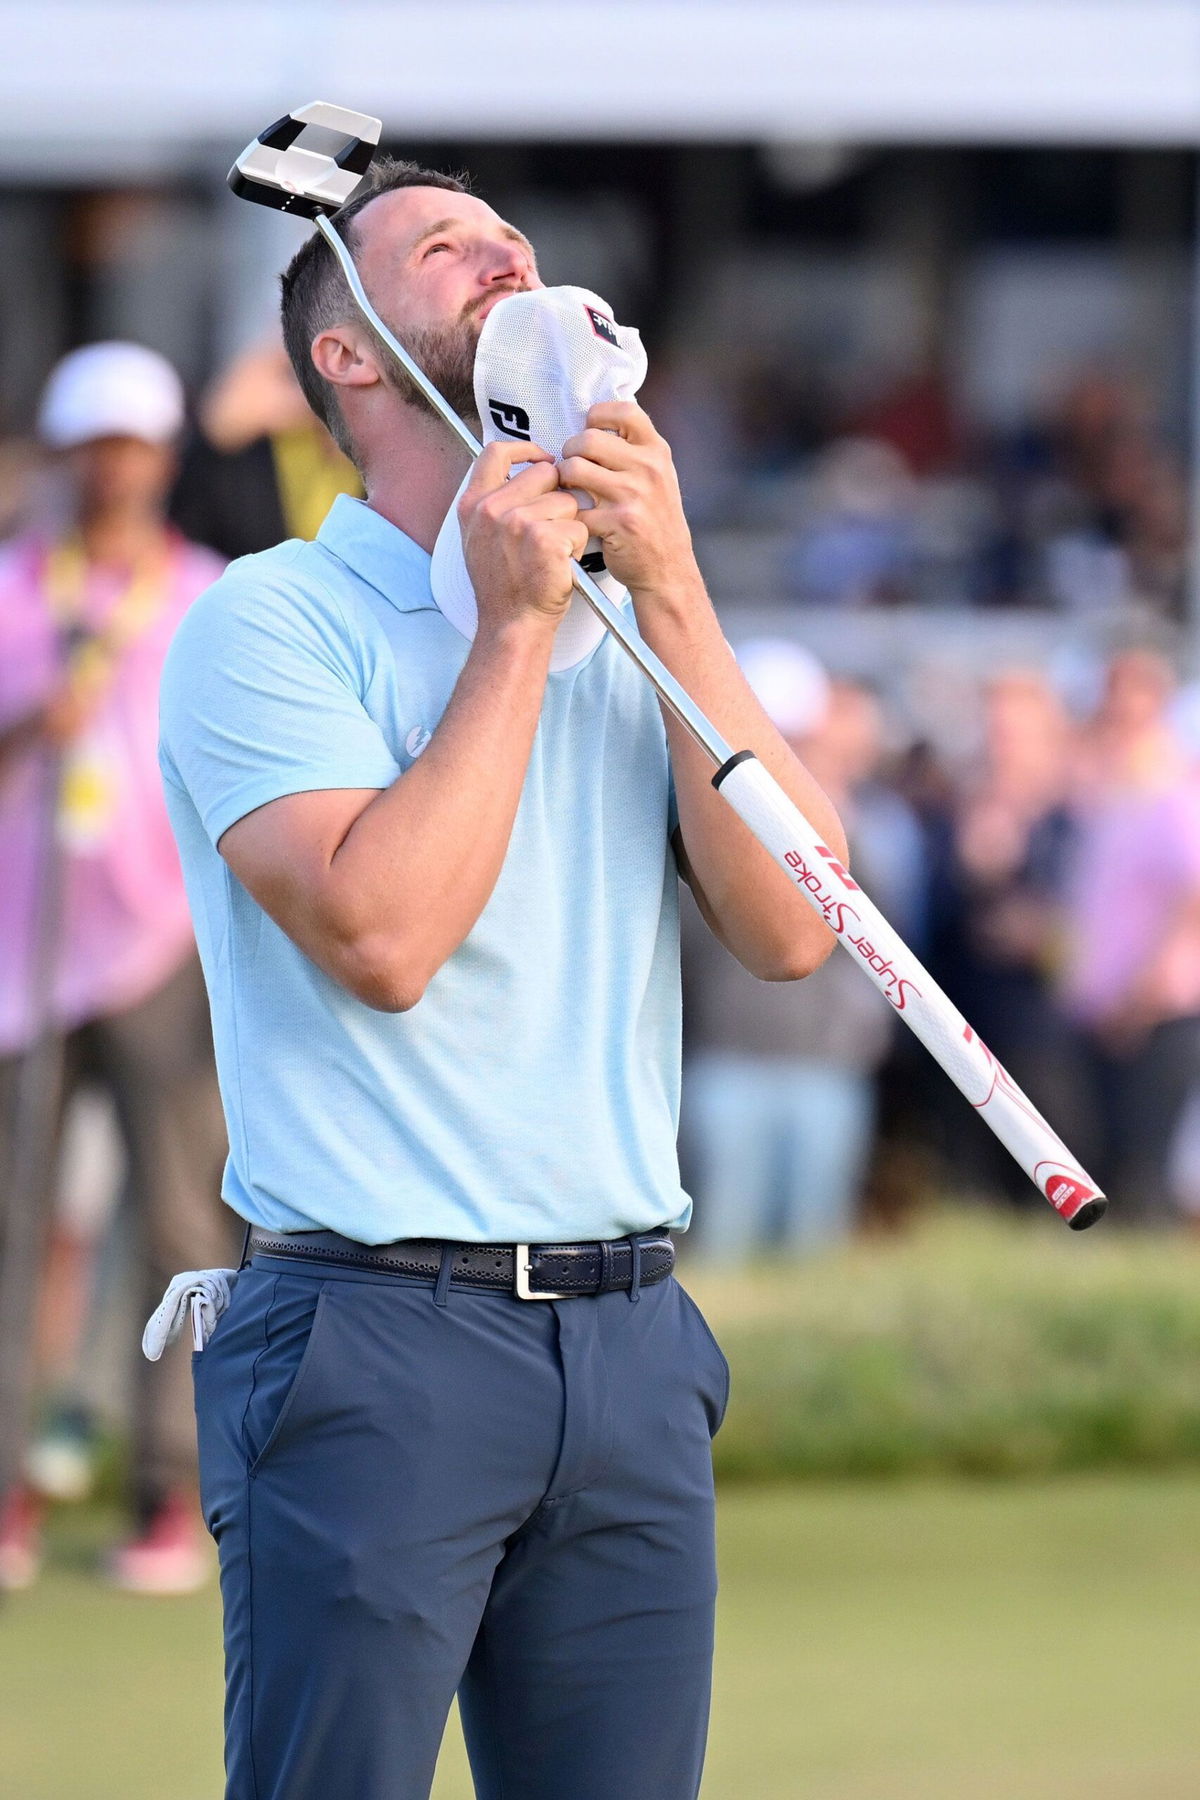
(98, 969)
(1132, 972)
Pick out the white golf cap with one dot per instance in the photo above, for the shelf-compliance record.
(543, 359)
(788, 682)
(111, 390)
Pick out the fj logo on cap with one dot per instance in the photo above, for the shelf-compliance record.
(513, 421)
(603, 328)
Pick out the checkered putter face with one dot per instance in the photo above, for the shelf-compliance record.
(277, 170)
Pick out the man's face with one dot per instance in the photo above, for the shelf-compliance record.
(435, 263)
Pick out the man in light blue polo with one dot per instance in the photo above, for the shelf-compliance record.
(434, 882)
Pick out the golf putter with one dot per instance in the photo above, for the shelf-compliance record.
(278, 170)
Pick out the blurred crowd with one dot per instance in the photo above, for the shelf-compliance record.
(1050, 881)
(120, 524)
(1049, 875)
(1082, 509)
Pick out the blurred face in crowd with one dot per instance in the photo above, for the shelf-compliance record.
(1138, 688)
(435, 263)
(1026, 731)
(847, 747)
(1098, 403)
(120, 475)
(855, 728)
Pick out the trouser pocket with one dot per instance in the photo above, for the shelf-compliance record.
(713, 1365)
(291, 1330)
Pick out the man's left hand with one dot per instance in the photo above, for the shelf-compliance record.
(623, 464)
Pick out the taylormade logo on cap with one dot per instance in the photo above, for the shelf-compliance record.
(544, 359)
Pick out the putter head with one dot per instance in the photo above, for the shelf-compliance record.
(276, 171)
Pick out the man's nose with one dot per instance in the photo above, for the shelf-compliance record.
(506, 261)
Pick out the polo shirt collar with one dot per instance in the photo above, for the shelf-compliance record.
(379, 553)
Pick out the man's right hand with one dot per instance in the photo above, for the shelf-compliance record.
(519, 534)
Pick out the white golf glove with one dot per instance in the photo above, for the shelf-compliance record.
(204, 1293)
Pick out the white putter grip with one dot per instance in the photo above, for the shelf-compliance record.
(882, 954)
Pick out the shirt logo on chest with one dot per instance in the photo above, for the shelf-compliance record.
(417, 739)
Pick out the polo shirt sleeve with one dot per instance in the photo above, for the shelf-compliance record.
(263, 694)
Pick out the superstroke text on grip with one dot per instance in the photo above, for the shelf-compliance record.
(865, 935)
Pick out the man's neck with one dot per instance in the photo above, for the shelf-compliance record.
(121, 539)
(412, 480)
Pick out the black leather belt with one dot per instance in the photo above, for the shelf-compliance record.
(530, 1271)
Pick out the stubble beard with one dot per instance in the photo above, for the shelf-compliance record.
(445, 355)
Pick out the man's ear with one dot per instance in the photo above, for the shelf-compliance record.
(344, 358)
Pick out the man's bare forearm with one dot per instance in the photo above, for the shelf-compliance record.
(379, 889)
(419, 864)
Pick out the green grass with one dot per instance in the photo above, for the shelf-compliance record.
(904, 1641)
(978, 1345)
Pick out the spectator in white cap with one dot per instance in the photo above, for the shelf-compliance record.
(98, 969)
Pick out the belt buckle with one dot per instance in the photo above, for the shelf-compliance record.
(522, 1269)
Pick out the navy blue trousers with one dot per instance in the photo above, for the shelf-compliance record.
(508, 1500)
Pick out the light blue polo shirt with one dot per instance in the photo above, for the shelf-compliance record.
(532, 1093)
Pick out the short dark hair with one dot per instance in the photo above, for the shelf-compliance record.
(315, 294)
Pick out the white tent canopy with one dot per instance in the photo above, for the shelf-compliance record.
(118, 86)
